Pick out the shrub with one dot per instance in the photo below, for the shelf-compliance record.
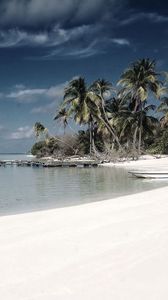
(45, 148)
(160, 146)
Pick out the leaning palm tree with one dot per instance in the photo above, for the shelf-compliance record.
(137, 82)
(101, 90)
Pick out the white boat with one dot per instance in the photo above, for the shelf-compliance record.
(150, 174)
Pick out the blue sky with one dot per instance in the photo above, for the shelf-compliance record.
(46, 43)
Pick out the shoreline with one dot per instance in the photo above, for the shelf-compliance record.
(112, 249)
(144, 162)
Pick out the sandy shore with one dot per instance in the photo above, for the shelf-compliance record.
(146, 162)
(115, 249)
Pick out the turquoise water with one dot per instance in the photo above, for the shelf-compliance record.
(25, 189)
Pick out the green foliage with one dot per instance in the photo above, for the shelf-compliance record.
(67, 145)
(39, 149)
(160, 146)
(83, 142)
(45, 148)
(38, 129)
(116, 120)
(52, 145)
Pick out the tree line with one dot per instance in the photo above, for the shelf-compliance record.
(120, 119)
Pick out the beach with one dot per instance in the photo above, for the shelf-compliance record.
(114, 249)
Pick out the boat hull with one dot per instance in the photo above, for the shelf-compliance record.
(152, 175)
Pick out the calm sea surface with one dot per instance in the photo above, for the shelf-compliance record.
(25, 189)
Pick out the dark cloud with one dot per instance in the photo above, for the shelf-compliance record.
(45, 13)
(74, 41)
(135, 17)
(150, 6)
(33, 13)
(72, 28)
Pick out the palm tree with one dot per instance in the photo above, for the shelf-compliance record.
(150, 124)
(101, 89)
(62, 115)
(40, 129)
(130, 125)
(137, 82)
(78, 103)
(163, 108)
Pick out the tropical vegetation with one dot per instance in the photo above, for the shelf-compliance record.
(128, 119)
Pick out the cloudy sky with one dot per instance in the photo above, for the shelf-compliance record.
(46, 43)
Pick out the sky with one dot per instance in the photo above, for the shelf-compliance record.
(46, 43)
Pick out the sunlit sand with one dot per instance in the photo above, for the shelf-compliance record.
(114, 249)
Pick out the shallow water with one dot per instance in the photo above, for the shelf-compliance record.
(25, 189)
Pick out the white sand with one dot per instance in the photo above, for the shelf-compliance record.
(146, 162)
(110, 250)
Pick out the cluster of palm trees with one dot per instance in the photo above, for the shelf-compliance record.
(122, 114)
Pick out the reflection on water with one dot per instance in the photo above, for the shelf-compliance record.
(25, 189)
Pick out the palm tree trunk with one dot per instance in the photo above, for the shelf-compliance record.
(140, 133)
(112, 132)
(139, 142)
(107, 124)
(135, 138)
(93, 137)
(90, 137)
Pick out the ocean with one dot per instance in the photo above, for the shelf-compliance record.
(27, 189)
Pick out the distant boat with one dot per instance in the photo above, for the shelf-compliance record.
(150, 174)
